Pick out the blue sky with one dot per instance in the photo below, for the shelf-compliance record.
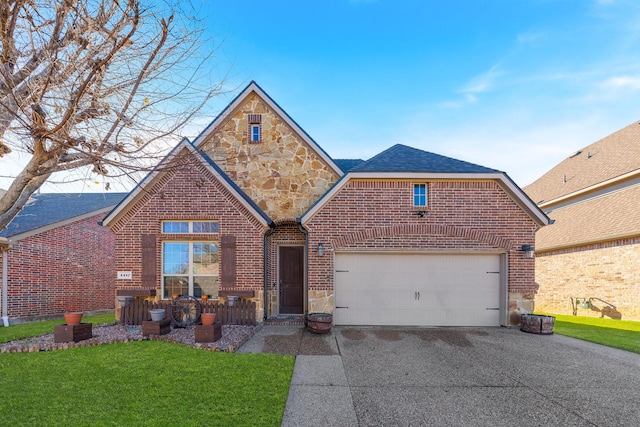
(515, 85)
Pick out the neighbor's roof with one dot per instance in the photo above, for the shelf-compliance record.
(612, 157)
(401, 158)
(45, 210)
(614, 215)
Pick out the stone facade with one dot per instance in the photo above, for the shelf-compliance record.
(607, 273)
(281, 173)
(68, 268)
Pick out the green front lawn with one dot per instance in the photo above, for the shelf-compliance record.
(32, 329)
(622, 334)
(143, 383)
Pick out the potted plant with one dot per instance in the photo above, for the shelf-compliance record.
(157, 314)
(208, 318)
(73, 317)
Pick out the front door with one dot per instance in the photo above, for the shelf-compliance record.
(291, 279)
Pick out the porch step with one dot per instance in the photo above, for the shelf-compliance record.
(286, 319)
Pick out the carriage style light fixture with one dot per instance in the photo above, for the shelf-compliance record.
(529, 250)
(320, 249)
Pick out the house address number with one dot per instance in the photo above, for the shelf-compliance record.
(124, 275)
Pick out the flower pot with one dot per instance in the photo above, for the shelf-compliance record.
(73, 318)
(157, 314)
(205, 297)
(208, 318)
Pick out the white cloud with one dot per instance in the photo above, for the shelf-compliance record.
(622, 82)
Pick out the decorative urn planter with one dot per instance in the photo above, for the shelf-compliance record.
(319, 323)
(208, 318)
(73, 318)
(157, 314)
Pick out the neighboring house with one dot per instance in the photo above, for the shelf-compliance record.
(591, 252)
(255, 208)
(55, 257)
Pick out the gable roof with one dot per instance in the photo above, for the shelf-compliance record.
(401, 158)
(611, 159)
(403, 162)
(347, 164)
(616, 214)
(215, 170)
(253, 87)
(51, 210)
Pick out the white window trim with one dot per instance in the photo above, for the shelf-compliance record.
(189, 274)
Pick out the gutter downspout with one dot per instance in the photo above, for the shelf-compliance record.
(5, 284)
(272, 228)
(306, 268)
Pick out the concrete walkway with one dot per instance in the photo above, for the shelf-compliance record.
(452, 376)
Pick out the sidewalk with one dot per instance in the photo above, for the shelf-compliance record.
(319, 393)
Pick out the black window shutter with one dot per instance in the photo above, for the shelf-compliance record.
(228, 261)
(149, 260)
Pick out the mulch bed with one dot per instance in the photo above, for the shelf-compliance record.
(233, 336)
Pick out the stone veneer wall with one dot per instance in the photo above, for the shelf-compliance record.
(607, 271)
(282, 174)
(462, 215)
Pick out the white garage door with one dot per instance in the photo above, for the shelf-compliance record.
(417, 289)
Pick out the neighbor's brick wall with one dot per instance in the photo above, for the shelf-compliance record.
(190, 193)
(607, 271)
(462, 215)
(69, 268)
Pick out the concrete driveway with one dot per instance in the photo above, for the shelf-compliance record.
(452, 376)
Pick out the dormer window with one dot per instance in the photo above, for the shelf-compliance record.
(255, 128)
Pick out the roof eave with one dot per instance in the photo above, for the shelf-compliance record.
(123, 206)
(508, 185)
(253, 87)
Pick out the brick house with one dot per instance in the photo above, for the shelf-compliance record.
(54, 257)
(586, 262)
(255, 208)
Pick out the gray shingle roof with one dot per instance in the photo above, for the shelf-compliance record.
(347, 164)
(401, 158)
(47, 209)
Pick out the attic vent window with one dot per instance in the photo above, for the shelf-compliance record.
(255, 128)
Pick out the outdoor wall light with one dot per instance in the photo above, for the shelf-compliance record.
(529, 250)
(320, 249)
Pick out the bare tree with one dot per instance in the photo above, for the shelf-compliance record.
(95, 84)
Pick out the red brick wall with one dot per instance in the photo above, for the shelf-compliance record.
(190, 193)
(462, 215)
(66, 268)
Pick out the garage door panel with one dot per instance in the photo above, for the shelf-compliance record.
(415, 289)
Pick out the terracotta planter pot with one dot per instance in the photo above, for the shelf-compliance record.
(73, 318)
(205, 297)
(208, 318)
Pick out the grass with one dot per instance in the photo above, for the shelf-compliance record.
(621, 334)
(143, 383)
(32, 329)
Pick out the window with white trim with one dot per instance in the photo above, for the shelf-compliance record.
(420, 195)
(190, 227)
(190, 268)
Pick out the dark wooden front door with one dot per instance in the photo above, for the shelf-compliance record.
(291, 279)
